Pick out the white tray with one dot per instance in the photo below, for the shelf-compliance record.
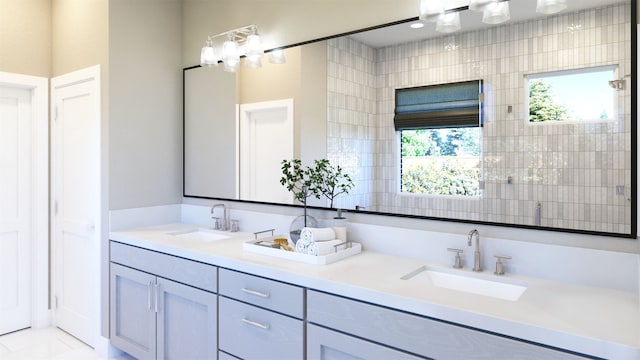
(250, 246)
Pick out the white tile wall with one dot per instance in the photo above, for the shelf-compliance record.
(570, 169)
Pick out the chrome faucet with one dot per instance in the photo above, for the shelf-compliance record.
(225, 222)
(476, 254)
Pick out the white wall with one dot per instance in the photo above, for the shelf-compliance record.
(145, 103)
(25, 37)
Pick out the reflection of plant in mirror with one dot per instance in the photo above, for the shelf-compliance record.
(298, 180)
(323, 179)
(330, 180)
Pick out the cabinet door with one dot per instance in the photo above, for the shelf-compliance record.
(187, 322)
(324, 344)
(132, 316)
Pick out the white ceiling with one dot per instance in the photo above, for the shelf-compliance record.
(521, 10)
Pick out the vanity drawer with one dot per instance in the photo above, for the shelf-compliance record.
(416, 334)
(273, 295)
(170, 267)
(249, 332)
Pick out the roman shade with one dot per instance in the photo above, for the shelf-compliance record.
(450, 105)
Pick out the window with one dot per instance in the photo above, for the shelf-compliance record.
(572, 96)
(440, 132)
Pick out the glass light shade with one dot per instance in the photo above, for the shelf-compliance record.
(277, 57)
(230, 52)
(496, 13)
(448, 22)
(254, 45)
(550, 6)
(430, 10)
(480, 5)
(208, 56)
(253, 61)
(231, 66)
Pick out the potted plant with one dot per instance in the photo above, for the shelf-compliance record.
(323, 179)
(297, 179)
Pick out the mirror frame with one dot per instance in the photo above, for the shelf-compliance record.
(634, 148)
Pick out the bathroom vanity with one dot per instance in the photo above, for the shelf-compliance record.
(187, 297)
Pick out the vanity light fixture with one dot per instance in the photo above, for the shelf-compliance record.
(493, 12)
(550, 6)
(239, 42)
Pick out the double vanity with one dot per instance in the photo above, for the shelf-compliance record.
(178, 290)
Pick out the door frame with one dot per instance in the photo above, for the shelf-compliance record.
(40, 244)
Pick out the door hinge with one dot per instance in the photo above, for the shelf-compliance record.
(55, 302)
(55, 207)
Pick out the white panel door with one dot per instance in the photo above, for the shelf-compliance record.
(15, 208)
(266, 138)
(76, 200)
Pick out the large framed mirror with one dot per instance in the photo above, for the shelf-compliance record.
(554, 146)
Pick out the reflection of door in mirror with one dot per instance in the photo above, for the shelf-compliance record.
(210, 125)
(266, 138)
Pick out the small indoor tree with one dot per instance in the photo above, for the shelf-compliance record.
(329, 180)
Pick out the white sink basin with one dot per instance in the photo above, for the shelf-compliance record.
(485, 284)
(203, 235)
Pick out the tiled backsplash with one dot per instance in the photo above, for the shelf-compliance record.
(572, 170)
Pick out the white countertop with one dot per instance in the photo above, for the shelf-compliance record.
(590, 320)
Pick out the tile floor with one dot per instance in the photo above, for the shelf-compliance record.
(48, 343)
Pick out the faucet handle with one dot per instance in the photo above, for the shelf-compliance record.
(234, 226)
(458, 260)
(499, 267)
(216, 223)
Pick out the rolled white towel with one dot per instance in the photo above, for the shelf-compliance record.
(302, 247)
(306, 236)
(309, 234)
(312, 249)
